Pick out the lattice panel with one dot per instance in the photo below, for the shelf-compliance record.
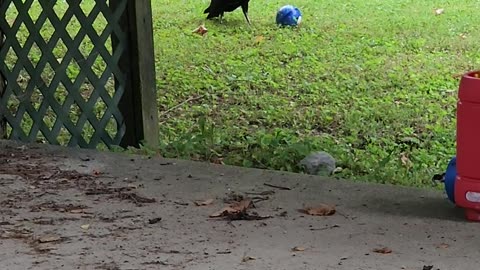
(63, 82)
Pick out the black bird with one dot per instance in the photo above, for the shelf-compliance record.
(218, 7)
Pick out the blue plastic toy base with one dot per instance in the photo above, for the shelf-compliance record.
(450, 177)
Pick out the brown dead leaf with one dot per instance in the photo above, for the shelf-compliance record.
(321, 210)
(248, 258)
(233, 208)
(49, 239)
(383, 250)
(224, 211)
(296, 249)
(201, 30)
(443, 245)
(204, 203)
(242, 205)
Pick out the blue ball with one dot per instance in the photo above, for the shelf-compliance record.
(289, 16)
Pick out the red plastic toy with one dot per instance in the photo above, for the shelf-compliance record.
(467, 184)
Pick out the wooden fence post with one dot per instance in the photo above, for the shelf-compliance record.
(139, 102)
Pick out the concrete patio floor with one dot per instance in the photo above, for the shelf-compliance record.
(79, 209)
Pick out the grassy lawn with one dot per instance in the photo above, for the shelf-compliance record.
(371, 82)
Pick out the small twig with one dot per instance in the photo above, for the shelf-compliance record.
(131, 197)
(181, 203)
(263, 193)
(342, 214)
(181, 104)
(275, 186)
(324, 228)
(259, 199)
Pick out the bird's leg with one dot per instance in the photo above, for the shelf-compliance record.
(246, 17)
(245, 12)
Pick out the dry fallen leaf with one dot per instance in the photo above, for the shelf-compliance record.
(405, 160)
(233, 208)
(259, 39)
(242, 205)
(49, 238)
(321, 210)
(224, 211)
(298, 249)
(383, 250)
(85, 226)
(201, 30)
(204, 203)
(443, 245)
(248, 258)
(439, 11)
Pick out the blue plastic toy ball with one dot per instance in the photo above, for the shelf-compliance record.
(450, 177)
(289, 16)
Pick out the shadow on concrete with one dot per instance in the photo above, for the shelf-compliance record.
(428, 207)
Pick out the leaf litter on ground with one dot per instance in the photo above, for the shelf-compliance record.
(201, 30)
(239, 211)
(443, 245)
(383, 250)
(320, 210)
(204, 202)
(49, 238)
(298, 249)
(248, 258)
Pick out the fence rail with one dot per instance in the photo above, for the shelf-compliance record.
(77, 73)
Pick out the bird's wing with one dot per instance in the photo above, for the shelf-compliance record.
(214, 6)
(244, 5)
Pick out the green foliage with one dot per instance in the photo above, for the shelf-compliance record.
(370, 82)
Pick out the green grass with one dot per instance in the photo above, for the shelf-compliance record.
(368, 81)
(371, 82)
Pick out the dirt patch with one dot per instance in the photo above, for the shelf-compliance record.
(39, 178)
(35, 192)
